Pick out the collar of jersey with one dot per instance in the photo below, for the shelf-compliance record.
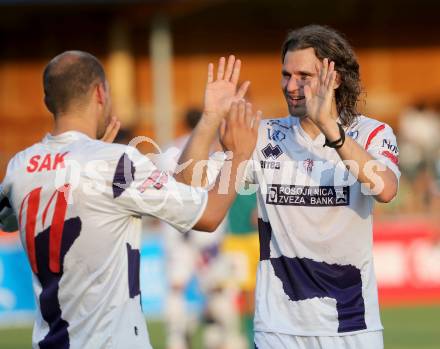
(67, 136)
(319, 140)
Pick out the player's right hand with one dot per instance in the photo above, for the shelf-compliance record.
(239, 131)
(221, 92)
(111, 130)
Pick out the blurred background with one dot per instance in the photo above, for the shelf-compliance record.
(155, 54)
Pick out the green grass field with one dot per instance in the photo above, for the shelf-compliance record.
(405, 328)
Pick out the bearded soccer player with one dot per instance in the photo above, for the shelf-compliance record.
(79, 203)
(319, 172)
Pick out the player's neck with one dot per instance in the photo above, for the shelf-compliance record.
(72, 122)
(310, 128)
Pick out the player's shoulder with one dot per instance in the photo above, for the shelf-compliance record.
(113, 159)
(113, 156)
(94, 150)
(98, 150)
(364, 128)
(82, 149)
(20, 159)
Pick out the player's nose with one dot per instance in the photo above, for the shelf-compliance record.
(293, 85)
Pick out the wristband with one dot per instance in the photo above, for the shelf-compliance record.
(339, 142)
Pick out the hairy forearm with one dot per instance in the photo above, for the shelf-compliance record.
(197, 151)
(364, 167)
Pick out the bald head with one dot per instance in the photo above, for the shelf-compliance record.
(68, 79)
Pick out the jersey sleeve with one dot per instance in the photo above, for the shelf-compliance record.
(215, 164)
(168, 161)
(382, 145)
(249, 171)
(8, 219)
(140, 188)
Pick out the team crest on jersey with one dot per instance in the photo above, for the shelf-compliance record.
(308, 165)
(269, 151)
(156, 180)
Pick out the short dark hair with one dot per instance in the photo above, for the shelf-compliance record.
(68, 78)
(328, 43)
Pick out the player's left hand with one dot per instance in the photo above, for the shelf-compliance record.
(111, 130)
(319, 101)
(221, 92)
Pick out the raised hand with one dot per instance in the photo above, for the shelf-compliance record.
(221, 92)
(239, 131)
(111, 130)
(319, 102)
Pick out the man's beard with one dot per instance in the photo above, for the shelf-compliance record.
(297, 111)
(296, 104)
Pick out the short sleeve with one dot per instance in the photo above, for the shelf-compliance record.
(139, 188)
(215, 164)
(168, 161)
(382, 145)
(249, 171)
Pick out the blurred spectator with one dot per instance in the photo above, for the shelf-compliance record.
(231, 280)
(420, 159)
(241, 245)
(419, 130)
(188, 255)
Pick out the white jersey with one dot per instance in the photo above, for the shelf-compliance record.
(196, 239)
(79, 204)
(316, 274)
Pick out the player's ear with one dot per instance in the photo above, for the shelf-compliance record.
(338, 80)
(100, 93)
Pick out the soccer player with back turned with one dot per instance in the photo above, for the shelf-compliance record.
(79, 203)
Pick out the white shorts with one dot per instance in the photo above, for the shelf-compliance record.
(271, 340)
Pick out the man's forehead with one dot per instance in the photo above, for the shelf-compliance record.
(300, 59)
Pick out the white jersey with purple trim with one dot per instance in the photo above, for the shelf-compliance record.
(79, 204)
(316, 274)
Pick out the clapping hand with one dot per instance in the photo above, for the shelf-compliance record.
(111, 130)
(221, 92)
(319, 102)
(239, 131)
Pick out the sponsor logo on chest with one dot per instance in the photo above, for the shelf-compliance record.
(273, 153)
(297, 195)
